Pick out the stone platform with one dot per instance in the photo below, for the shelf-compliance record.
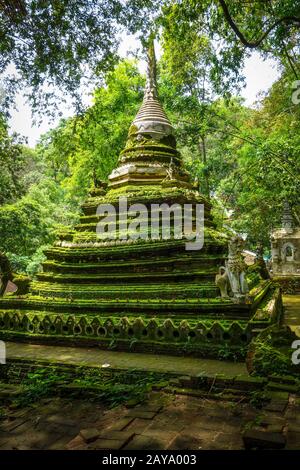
(120, 360)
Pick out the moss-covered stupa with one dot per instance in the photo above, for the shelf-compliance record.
(139, 294)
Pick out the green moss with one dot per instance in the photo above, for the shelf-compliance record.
(271, 352)
(22, 282)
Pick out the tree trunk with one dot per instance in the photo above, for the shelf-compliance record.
(202, 147)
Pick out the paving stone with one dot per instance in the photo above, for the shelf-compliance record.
(230, 441)
(18, 414)
(136, 413)
(186, 381)
(3, 443)
(284, 387)
(276, 405)
(236, 444)
(278, 395)
(11, 425)
(9, 391)
(275, 428)
(138, 425)
(116, 435)
(203, 434)
(56, 428)
(212, 424)
(294, 427)
(286, 379)
(231, 428)
(273, 422)
(163, 423)
(161, 435)
(133, 403)
(292, 415)
(246, 382)
(24, 447)
(154, 408)
(209, 445)
(185, 442)
(89, 434)
(38, 440)
(75, 443)
(145, 443)
(121, 424)
(224, 380)
(263, 440)
(107, 444)
(60, 444)
(58, 419)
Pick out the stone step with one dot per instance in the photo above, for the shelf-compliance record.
(141, 278)
(171, 308)
(136, 293)
(187, 264)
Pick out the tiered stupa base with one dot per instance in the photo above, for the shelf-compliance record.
(141, 295)
(145, 294)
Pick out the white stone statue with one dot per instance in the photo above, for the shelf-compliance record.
(236, 269)
(171, 171)
(222, 281)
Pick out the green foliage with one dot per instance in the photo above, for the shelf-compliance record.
(226, 353)
(13, 165)
(29, 223)
(272, 352)
(62, 44)
(56, 46)
(111, 389)
(246, 159)
(39, 384)
(257, 399)
(232, 29)
(266, 149)
(44, 188)
(80, 151)
(113, 392)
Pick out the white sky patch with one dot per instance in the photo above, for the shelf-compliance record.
(260, 75)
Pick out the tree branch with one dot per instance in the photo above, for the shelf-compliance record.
(240, 35)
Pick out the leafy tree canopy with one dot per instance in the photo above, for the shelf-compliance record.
(234, 28)
(50, 45)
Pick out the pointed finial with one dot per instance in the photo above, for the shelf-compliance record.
(287, 217)
(151, 118)
(151, 86)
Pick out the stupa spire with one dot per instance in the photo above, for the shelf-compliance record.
(151, 118)
(151, 84)
(150, 156)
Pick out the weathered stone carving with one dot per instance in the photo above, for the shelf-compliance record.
(236, 269)
(222, 282)
(171, 171)
(285, 244)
